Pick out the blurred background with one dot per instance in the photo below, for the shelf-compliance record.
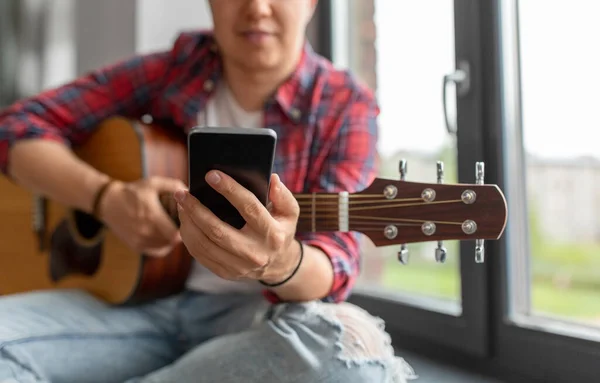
(532, 114)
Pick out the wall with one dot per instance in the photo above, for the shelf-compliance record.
(159, 21)
(72, 37)
(104, 32)
(111, 30)
(364, 36)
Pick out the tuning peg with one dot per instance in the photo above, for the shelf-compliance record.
(479, 243)
(480, 173)
(440, 251)
(479, 251)
(403, 168)
(440, 172)
(403, 253)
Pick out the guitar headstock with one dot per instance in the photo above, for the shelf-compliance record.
(400, 212)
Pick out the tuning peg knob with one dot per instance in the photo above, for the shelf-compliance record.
(440, 253)
(403, 167)
(403, 255)
(479, 251)
(480, 173)
(440, 172)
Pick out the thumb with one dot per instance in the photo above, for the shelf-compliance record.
(168, 185)
(283, 201)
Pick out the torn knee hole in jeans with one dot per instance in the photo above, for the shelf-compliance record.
(363, 340)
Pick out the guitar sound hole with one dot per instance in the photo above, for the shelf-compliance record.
(75, 247)
(87, 226)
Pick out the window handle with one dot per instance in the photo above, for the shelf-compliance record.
(462, 79)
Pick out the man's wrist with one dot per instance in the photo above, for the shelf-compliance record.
(313, 280)
(281, 278)
(102, 195)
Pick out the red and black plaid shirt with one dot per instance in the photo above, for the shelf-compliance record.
(325, 121)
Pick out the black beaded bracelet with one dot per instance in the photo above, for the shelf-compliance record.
(293, 273)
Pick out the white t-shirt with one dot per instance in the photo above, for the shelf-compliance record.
(222, 110)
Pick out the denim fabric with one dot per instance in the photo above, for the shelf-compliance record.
(68, 336)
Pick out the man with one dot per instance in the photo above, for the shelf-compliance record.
(254, 70)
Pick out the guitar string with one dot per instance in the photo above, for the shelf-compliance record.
(356, 220)
(389, 219)
(388, 206)
(336, 196)
(325, 214)
(336, 202)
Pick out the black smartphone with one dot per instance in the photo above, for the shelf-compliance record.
(245, 154)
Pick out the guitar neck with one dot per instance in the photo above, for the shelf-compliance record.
(321, 212)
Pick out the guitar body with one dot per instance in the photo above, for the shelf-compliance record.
(74, 251)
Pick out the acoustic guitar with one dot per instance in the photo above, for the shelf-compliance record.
(45, 245)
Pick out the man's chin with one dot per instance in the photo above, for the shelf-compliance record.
(259, 62)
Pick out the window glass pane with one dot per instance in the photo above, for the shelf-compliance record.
(560, 99)
(403, 49)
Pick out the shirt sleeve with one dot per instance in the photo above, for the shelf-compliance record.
(70, 113)
(350, 165)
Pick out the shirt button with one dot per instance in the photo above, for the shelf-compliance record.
(295, 114)
(147, 119)
(209, 85)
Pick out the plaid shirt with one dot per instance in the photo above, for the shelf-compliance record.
(325, 121)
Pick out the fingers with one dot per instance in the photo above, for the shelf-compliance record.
(220, 261)
(246, 203)
(165, 184)
(284, 202)
(206, 221)
(196, 241)
(159, 252)
(160, 214)
(163, 222)
(221, 234)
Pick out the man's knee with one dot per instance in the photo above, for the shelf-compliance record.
(362, 348)
(364, 344)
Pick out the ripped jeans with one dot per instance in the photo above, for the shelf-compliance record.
(68, 336)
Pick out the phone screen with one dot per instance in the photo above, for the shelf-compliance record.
(244, 154)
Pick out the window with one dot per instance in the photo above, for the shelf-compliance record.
(560, 163)
(529, 112)
(404, 50)
(407, 80)
(549, 81)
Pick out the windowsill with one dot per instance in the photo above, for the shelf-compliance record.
(432, 371)
(558, 327)
(427, 303)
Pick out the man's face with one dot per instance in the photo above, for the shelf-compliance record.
(261, 34)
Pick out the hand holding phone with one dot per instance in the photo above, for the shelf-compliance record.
(245, 154)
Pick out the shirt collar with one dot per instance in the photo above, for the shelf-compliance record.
(293, 94)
